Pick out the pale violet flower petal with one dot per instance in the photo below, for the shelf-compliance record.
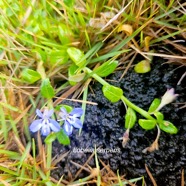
(77, 112)
(167, 98)
(45, 124)
(77, 123)
(63, 110)
(48, 113)
(54, 125)
(68, 128)
(39, 113)
(36, 125)
(45, 130)
(71, 119)
(63, 114)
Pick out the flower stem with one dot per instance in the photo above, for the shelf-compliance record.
(136, 108)
(49, 159)
(123, 98)
(95, 76)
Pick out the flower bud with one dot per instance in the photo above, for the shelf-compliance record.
(125, 138)
(167, 98)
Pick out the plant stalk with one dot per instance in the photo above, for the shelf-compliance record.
(123, 98)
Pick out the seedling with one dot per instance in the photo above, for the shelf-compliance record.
(152, 118)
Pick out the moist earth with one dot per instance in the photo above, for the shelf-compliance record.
(104, 125)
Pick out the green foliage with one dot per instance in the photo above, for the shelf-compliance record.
(72, 72)
(40, 54)
(168, 127)
(73, 75)
(159, 117)
(142, 67)
(147, 124)
(106, 68)
(59, 57)
(130, 118)
(30, 76)
(67, 107)
(154, 105)
(112, 93)
(69, 3)
(77, 56)
(76, 78)
(47, 91)
(50, 138)
(63, 138)
(65, 34)
(4, 126)
(41, 31)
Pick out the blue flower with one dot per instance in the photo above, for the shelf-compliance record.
(71, 119)
(45, 124)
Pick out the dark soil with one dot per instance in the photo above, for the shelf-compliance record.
(104, 125)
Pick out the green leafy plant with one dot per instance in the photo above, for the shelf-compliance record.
(30, 76)
(35, 36)
(153, 117)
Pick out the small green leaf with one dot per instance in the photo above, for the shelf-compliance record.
(142, 67)
(65, 34)
(112, 93)
(69, 3)
(30, 76)
(77, 56)
(77, 78)
(58, 57)
(63, 138)
(67, 107)
(50, 138)
(72, 70)
(41, 55)
(106, 68)
(147, 124)
(74, 75)
(47, 90)
(168, 127)
(3, 62)
(41, 69)
(130, 118)
(159, 116)
(154, 105)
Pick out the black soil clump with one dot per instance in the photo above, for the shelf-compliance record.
(104, 125)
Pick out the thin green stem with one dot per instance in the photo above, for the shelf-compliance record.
(123, 98)
(85, 93)
(49, 159)
(95, 76)
(136, 108)
(34, 173)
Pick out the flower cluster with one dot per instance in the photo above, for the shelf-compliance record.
(71, 119)
(46, 125)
